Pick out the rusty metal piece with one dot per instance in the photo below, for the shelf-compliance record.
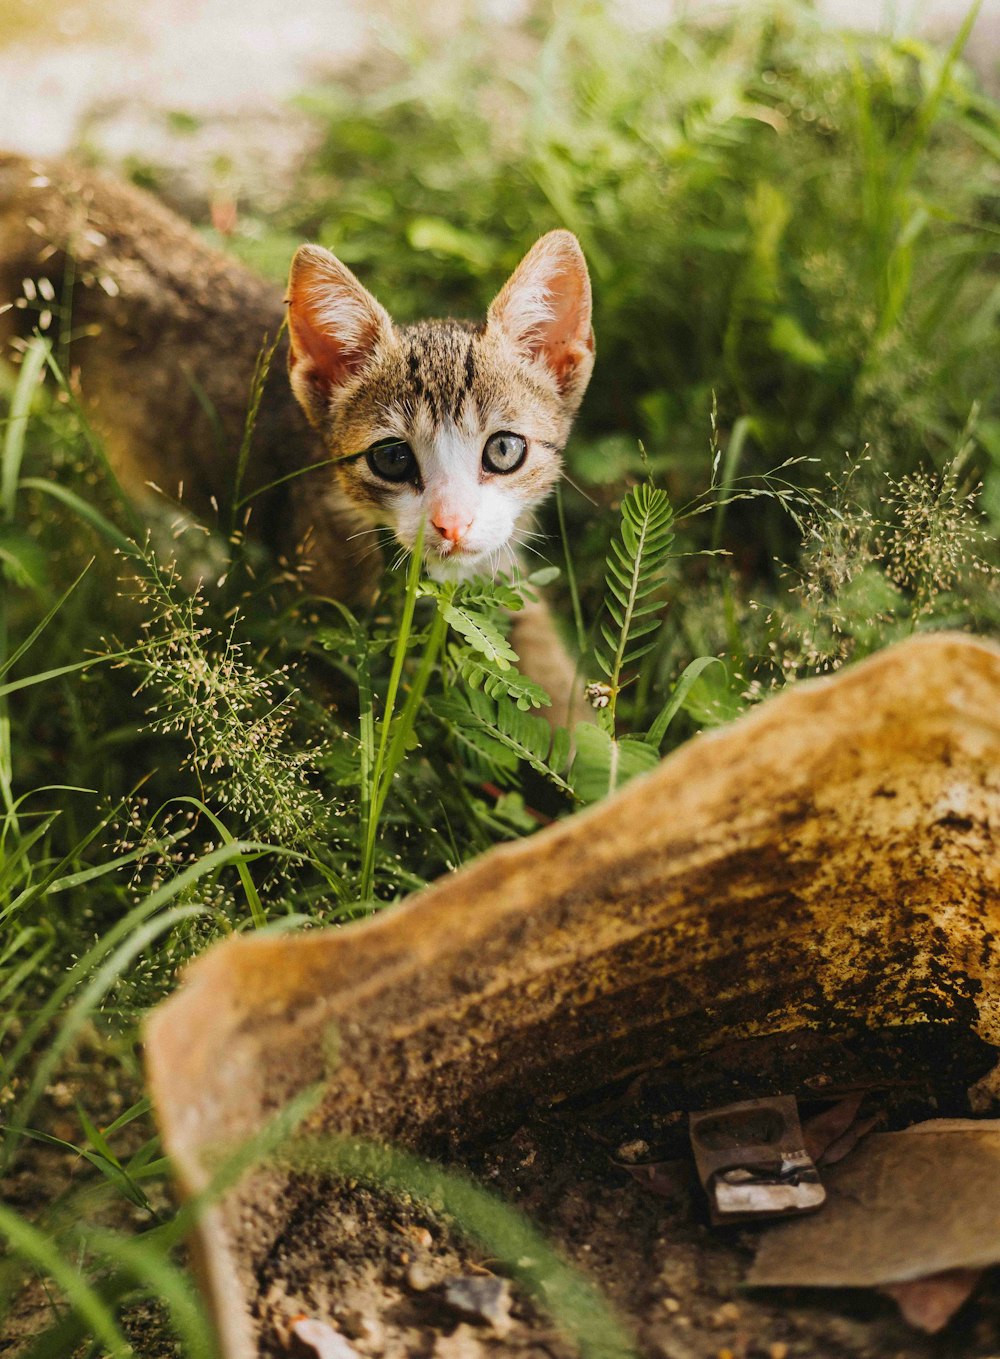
(828, 862)
(752, 1160)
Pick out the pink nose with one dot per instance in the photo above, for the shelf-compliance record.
(451, 527)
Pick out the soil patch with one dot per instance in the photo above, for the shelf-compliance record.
(376, 1266)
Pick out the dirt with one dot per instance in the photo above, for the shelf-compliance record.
(51, 1186)
(376, 1265)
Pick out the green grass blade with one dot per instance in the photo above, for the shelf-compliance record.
(257, 912)
(33, 1245)
(35, 358)
(86, 512)
(39, 628)
(675, 702)
(150, 1266)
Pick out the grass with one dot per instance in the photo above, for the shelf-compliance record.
(790, 457)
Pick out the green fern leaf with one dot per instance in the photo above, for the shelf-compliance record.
(498, 683)
(481, 633)
(519, 733)
(602, 764)
(634, 570)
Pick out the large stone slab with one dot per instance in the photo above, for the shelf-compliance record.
(829, 861)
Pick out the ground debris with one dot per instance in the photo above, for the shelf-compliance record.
(752, 1160)
(317, 1338)
(915, 1214)
(484, 1299)
(830, 1135)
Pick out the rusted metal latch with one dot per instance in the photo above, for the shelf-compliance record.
(752, 1160)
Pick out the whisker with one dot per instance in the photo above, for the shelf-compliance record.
(527, 547)
(370, 552)
(363, 533)
(515, 570)
(579, 489)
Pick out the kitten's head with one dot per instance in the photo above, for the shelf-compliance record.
(457, 425)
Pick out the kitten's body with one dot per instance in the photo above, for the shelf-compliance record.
(166, 336)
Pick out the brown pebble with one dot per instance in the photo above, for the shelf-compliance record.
(634, 1150)
(419, 1277)
(726, 1315)
(779, 1350)
(363, 1327)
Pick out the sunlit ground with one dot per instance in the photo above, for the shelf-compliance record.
(128, 79)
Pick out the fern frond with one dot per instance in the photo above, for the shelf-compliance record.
(634, 570)
(485, 594)
(481, 633)
(486, 757)
(519, 733)
(495, 682)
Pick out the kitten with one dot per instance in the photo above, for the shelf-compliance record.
(458, 426)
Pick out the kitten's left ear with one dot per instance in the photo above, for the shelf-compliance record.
(334, 328)
(544, 308)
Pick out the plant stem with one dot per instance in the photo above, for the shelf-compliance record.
(407, 718)
(378, 776)
(574, 593)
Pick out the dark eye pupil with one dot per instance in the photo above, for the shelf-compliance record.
(392, 462)
(504, 452)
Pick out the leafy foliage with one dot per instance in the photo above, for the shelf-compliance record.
(497, 682)
(500, 735)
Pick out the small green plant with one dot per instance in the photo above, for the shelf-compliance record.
(635, 569)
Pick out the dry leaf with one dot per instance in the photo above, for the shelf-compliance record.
(830, 1135)
(931, 1302)
(915, 1213)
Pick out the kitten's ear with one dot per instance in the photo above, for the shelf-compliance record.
(544, 307)
(334, 326)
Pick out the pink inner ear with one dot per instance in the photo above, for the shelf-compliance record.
(545, 305)
(322, 352)
(561, 341)
(334, 323)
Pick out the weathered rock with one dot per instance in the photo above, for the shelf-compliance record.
(830, 860)
(484, 1300)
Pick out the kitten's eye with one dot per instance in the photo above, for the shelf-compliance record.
(504, 452)
(392, 462)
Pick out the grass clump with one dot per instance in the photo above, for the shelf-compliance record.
(791, 234)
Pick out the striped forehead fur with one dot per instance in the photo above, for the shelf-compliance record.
(445, 368)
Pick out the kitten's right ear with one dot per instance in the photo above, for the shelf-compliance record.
(544, 308)
(334, 326)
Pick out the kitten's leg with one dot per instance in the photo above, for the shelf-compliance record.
(544, 659)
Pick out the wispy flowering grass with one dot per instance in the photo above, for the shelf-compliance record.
(235, 717)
